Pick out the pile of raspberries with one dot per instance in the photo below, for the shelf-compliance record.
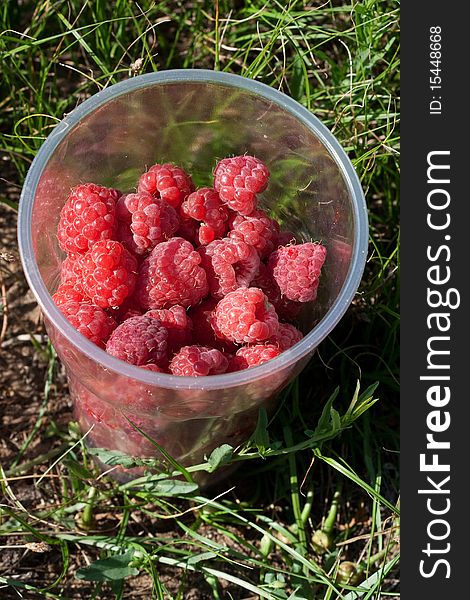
(180, 280)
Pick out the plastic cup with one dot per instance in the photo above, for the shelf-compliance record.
(191, 117)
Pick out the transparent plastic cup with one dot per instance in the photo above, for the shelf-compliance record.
(192, 118)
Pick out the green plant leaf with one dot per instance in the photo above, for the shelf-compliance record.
(169, 487)
(324, 422)
(335, 420)
(260, 437)
(198, 558)
(361, 402)
(219, 456)
(114, 457)
(112, 568)
(77, 469)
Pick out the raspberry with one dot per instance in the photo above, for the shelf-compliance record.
(197, 361)
(257, 230)
(93, 406)
(70, 291)
(130, 312)
(177, 323)
(89, 320)
(152, 367)
(168, 182)
(204, 205)
(108, 273)
(88, 215)
(235, 363)
(129, 308)
(238, 180)
(125, 237)
(123, 226)
(252, 356)
(202, 317)
(229, 264)
(152, 220)
(189, 230)
(172, 275)
(139, 341)
(123, 213)
(340, 253)
(286, 337)
(70, 269)
(296, 270)
(285, 308)
(109, 425)
(245, 316)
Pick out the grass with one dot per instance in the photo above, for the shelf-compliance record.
(314, 511)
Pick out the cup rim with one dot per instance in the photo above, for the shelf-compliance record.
(210, 382)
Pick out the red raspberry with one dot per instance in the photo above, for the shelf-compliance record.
(202, 317)
(89, 320)
(152, 220)
(229, 264)
(286, 337)
(252, 356)
(167, 181)
(111, 428)
(285, 308)
(130, 312)
(177, 323)
(204, 205)
(123, 226)
(197, 361)
(235, 363)
(123, 213)
(245, 316)
(70, 291)
(93, 406)
(108, 273)
(129, 308)
(125, 237)
(296, 270)
(189, 230)
(139, 341)
(70, 269)
(238, 180)
(152, 367)
(172, 275)
(88, 215)
(257, 230)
